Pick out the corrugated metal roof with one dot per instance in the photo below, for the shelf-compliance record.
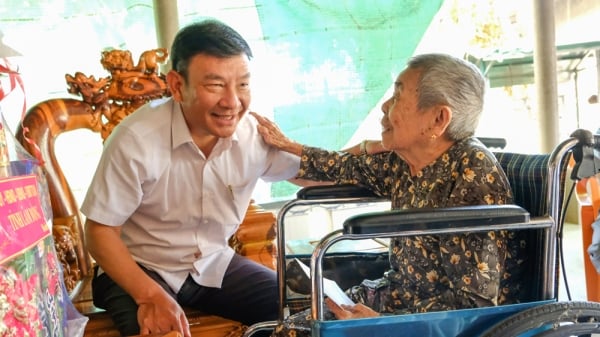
(516, 67)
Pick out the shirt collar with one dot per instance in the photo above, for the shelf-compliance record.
(180, 134)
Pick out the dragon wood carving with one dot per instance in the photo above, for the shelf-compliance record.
(126, 89)
(102, 104)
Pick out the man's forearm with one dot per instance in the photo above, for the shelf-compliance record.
(106, 247)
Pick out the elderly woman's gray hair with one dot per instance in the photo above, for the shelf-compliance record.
(451, 81)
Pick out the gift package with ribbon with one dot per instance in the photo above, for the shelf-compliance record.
(33, 297)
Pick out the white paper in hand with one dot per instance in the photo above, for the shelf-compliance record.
(331, 289)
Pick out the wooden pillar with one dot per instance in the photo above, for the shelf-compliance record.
(166, 18)
(545, 75)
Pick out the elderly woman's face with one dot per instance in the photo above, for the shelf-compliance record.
(403, 126)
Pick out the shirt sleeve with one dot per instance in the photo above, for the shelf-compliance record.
(115, 190)
(371, 171)
(281, 165)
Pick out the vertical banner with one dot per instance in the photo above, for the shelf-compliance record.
(21, 216)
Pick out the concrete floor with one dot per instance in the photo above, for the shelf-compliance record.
(573, 256)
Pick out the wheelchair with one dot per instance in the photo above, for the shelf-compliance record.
(538, 184)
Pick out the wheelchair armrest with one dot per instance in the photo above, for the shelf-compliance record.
(335, 192)
(440, 219)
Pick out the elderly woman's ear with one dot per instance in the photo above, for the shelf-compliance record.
(442, 118)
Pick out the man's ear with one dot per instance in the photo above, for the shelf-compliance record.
(443, 116)
(175, 82)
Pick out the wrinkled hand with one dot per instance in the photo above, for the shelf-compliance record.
(162, 315)
(273, 136)
(350, 311)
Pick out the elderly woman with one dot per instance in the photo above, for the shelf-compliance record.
(431, 160)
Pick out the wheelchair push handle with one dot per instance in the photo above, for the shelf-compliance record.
(586, 154)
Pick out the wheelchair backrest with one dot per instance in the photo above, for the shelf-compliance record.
(528, 178)
(528, 175)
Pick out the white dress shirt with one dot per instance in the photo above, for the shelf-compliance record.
(178, 208)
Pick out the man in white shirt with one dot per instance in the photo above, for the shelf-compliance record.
(173, 184)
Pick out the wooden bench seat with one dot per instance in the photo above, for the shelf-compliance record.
(99, 106)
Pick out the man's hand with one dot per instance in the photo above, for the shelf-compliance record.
(350, 311)
(157, 311)
(162, 315)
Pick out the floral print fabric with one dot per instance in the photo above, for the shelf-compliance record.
(31, 300)
(427, 272)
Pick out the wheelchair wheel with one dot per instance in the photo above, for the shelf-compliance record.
(554, 319)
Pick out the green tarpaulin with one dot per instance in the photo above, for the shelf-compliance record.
(346, 54)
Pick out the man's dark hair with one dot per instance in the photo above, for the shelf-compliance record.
(210, 37)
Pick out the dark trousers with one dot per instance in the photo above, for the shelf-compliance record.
(248, 295)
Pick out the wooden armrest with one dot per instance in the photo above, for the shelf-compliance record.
(168, 334)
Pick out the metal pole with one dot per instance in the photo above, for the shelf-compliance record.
(545, 75)
(577, 107)
(597, 55)
(166, 19)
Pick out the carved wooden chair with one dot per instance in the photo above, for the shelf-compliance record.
(101, 105)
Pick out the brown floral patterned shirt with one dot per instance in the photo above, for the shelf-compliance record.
(428, 272)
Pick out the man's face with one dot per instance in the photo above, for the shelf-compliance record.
(215, 96)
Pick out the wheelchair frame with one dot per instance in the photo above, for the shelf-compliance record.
(524, 319)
